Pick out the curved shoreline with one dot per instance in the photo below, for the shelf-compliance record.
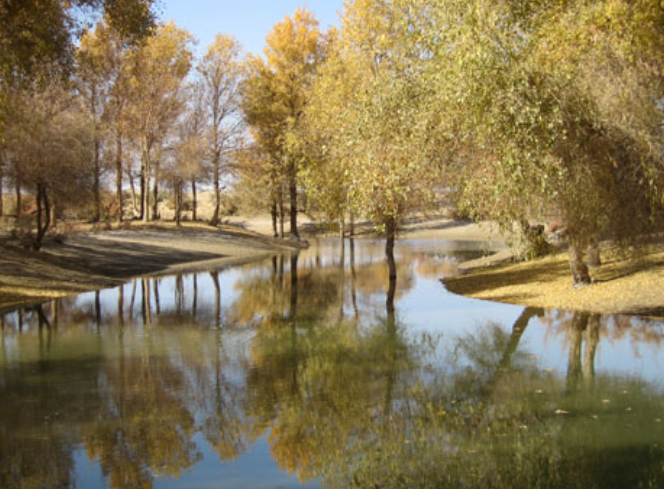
(78, 263)
(621, 285)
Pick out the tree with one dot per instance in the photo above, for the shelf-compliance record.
(276, 93)
(554, 114)
(50, 141)
(158, 70)
(379, 135)
(220, 76)
(38, 34)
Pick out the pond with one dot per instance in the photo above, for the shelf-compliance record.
(299, 371)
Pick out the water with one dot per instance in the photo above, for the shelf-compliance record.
(259, 377)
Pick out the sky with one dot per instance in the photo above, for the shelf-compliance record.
(249, 21)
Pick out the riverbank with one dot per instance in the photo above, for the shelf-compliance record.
(621, 285)
(78, 262)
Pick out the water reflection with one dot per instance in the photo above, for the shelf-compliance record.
(318, 356)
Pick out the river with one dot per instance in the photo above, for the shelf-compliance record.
(302, 371)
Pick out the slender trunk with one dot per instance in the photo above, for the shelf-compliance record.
(132, 188)
(118, 175)
(353, 277)
(391, 229)
(2, 207)
(351, 231)
(592, 254)
(282, 216)
(19, 204)
(579, 269)
(194, 204)
(55, 313)
(145, 183)
(43, 215)
(292, 188)
(141, 211)
(155, 197)
(342, 227)
(217, 190)
(178, 201)
(96, 216)
(273, 212)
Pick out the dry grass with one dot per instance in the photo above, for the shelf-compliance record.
(622, 285)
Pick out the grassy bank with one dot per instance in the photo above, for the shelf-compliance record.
(621, 285)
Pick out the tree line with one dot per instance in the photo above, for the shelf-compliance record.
(520, 110)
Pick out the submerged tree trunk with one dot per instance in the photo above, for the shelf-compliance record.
(292, 188)
(118, 175)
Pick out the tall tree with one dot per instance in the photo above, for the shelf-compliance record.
(220, 76)
(276, 94)
(158, 70)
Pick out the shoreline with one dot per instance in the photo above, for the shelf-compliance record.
(621, 285)
(82, 262)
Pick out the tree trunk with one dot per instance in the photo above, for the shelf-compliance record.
(178, 200)
(132, 187)
(96, 216)
(194, 204)
(217, 191)
(579, 269)
(292, 188)
(282, 216)
(391, 229)
(351, 231)
(118, 175)
(273, 212)
(19, 203)
(155, 193)
(592, 254)
(2, 207)
(145, 183)
(43, 215)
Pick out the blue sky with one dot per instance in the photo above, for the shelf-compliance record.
(249, 21)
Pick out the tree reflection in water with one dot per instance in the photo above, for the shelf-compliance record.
(313, 354)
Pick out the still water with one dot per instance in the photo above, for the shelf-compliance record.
(299, 371)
